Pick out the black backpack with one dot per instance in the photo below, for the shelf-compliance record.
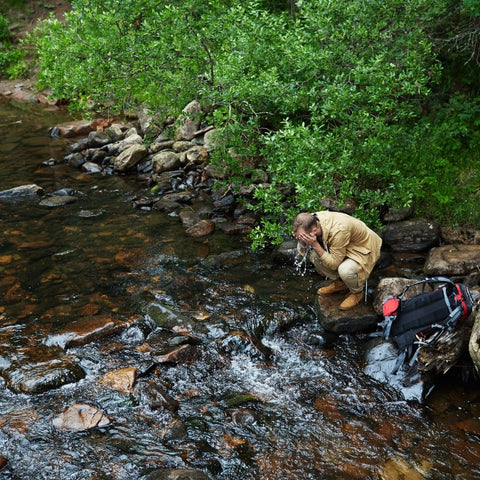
(421, 320)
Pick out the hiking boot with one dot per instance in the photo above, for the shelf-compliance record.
(335, 286)
(351, 301)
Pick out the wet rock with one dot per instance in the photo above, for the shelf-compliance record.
(72, 129)
(239, 341)
(179, 197)
(398, 469)
(57, 201)
(19, 421)
(176, 474)
(129, 157)
(86, 330)
(164, 317)
(167, 206)
(165, 161)
(411, 236)
(3, 461)
(360, 318)
(91, 167)
(79, 146)
(189, 121)
(75, 160)
(456, 260)
(236, 228)
(286, 253)
(121, 380)
(39, 377)
(188, 217)
(158, 398)
(175, 431)
(179, 355)
(21, 191)
(79, 418)
(201, 229)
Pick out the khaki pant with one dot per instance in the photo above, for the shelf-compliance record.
(348, 271)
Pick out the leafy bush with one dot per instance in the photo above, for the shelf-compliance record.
(347, 100)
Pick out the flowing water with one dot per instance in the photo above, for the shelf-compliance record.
(266, 394)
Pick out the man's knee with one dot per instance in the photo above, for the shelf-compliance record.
(348, 272)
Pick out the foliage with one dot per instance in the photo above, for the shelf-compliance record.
(12, 58)
(358, 101)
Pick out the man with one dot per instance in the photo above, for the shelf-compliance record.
(343, 248)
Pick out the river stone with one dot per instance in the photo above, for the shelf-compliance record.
(332, 319)
(459, 260)
(200, 229)
(189, 121)
(182, 146)
(75, 159)
(411, 235)
(3, 461)
(85, 330)
(167, 206)
(39, 377)
(121, 380)
(463, 235)
(159, 145)
(188, 217)
(72, 129)
(175, 431)
(21, 191)
(474, 343)
(19, 421)
(118, 147)
(91, 167)
(180, 355)
(165, 161)
(196, 155)
(286, 253)
(79, 418)
(130, 157)
(98, 139)
(177, 474)
(57, 201)
(179, 197)
(156, 397)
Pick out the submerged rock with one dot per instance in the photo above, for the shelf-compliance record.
(121, 380)
(176, 474)
(58, 201)
(39, 377)
(80, 417)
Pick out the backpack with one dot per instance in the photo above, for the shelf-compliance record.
(422, 319)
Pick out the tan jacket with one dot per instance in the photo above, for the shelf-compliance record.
(345, 236)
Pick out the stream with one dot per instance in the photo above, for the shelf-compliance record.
(265, 395)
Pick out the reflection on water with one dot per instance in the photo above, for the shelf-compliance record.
(263, 393)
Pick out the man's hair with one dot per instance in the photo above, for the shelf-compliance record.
(305, 221)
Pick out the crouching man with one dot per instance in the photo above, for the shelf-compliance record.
(343, 249)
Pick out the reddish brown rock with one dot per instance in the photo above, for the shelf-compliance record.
(201, 229)
(80, 417)
(121, 380)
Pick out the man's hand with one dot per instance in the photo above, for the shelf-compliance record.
(307, 238)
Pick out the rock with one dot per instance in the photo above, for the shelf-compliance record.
(179, 197)
(188, 217)
(175, 431)
(98, 139)
(149, 124)
(348, 206)
(196, 155)
(463, 235)
(114, 149)
(129, 157)
(157, 398)
(176, 474)
(85, 330)
(286, 253)
(57, 201)
(165, 161)
(91, 167)
(180, 355)
(411, 236)
(72, 129)
(189, 121)
(214, 171)
(210, 140)
(21, 191)
(182, 146)
(201, 229)
(75, 159)
(398, 215)
(236, 228)
(159, 145)
(474, 343)
(455, 260)
(167, 206)
(360, 318)
(398, 469)
(121, 380)
(3, 461)
(79, 418)
(392, 286)
(39, 377)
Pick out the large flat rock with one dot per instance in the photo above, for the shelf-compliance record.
(332, 319)
(458, 260)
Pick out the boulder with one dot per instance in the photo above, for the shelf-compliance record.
(189, 121)
(201, 229)
(455, 260)
(72, 129)
(196, 155)
(79, 418)
(411, 236)
(129, 157)
(361, 318)
(165, 161)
